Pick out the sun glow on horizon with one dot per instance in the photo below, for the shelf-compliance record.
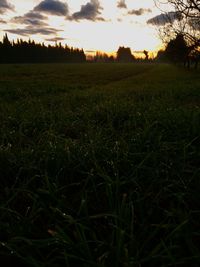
(113, 27)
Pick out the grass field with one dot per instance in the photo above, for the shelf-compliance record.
(99, 165)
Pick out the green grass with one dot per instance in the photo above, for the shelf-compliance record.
(99, 165)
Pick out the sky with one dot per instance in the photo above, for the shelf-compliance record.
(94, 25)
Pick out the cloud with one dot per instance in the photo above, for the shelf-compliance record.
(89, 11)
(164, 19)
(2, 21)
(121, 4)
(139, 12)
(53, 7)
(29, 30)
(4, 6)
(119, 19)
(31, 18)
(55, 39)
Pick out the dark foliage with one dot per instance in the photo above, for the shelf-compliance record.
(103, 57)
(124, 54)
(177, 49)
(31, 52)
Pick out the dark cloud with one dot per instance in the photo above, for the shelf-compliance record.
(139, 12)
(121, 4)
(31, 18)
(89, 11)
(29, 30)
(55, 39)
(119, 20)
(2, 21)
(4, 6)
(53, 7)
(164, 19)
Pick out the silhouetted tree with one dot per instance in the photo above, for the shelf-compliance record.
(161, 56)
(178, 51)
(101, 57)
(6, 42)
(146, 53)
(111, 59)
(30, 52)
(124, 54)
(186, 23)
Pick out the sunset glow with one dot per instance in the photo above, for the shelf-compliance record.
(89, 24)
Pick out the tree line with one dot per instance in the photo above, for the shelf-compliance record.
(21, 51)
(123, 55)
(31, 52)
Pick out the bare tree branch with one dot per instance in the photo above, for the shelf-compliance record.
(189, 25)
